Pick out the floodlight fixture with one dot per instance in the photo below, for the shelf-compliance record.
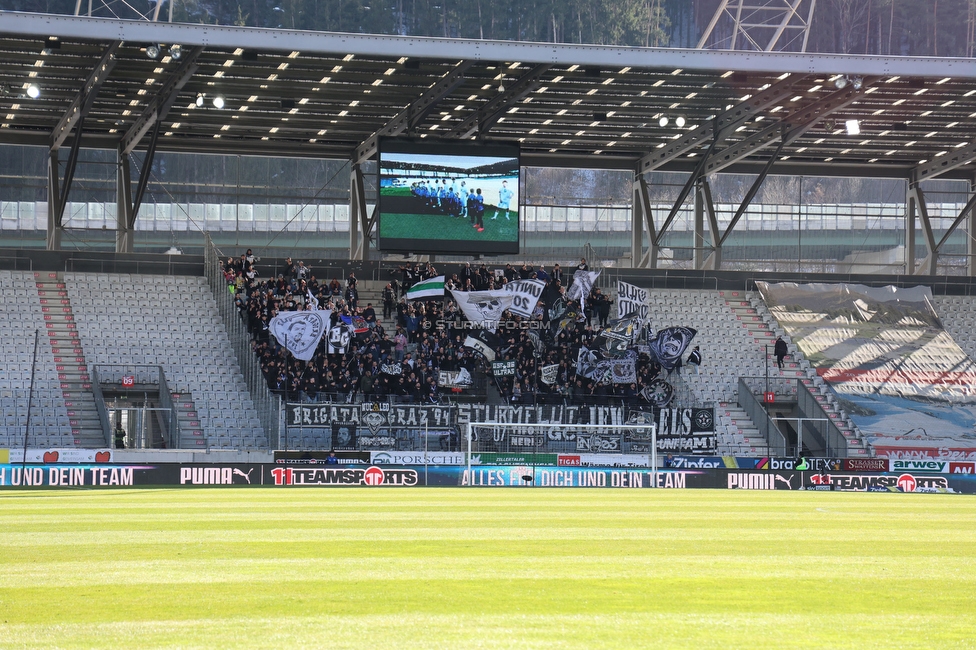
(679, 122)
(218, 102)
(152, 51)
(663, 122)
(33, 91)
(176, 51)
(853, 127)
(199, 101)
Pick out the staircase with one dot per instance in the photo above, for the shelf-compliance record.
(189, 427)
(807, 375)
(746, 439)
(69, 359)
(371, 291)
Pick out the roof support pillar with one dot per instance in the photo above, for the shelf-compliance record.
(971, 235)
(698, 238)
(686, 190)
(915, 205)
(713, 260)
(642, 220)
(123, 204)
(72, 120)
(149, 121)
(966, 211)
(360, 221)
(54, 228)
(751, 194)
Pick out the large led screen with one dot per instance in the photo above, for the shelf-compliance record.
(448, 197)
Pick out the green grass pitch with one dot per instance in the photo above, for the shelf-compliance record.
(402, 225)
(485, 568)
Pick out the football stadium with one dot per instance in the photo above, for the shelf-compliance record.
(346, 338)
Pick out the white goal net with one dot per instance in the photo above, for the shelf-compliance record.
(596, 445)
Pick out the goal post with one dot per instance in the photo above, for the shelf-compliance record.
(548, 440)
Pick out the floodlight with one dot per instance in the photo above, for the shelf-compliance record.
(663, 122)
(218, 102)
(152, 51)
(176, 51)
(857, 82)
(199, 101)
(679, 122)
(853, 127)
(33, 91)
(840, 82)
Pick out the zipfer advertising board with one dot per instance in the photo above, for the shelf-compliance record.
(525, 476)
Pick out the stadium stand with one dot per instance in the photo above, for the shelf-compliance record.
(169, 321)
(799, 368)
(958, 315)
(730, 331)
(20, 317)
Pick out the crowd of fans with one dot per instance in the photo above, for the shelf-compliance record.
(426, 336)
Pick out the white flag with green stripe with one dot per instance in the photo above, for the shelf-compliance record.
(432, 288)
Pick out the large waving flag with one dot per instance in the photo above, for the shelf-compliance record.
(669, 344)
(484, 308)
(582, 286)
(300, 331)
(432, 288)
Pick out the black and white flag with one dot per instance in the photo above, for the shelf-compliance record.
(339, 338)
(622, 371)
(300, 331)
(454, 378)
(549, 374)
(538, 347)
(484, 308)
(484, 342)
(582, 286)
(503, 368)
(392, 368)
(588, 365)
(658, 392)
(525, 296)
(620, 334)
(669, 344)
(632, 300)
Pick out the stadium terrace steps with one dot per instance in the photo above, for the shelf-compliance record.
(737, 434)
(20, 318)
(69, 359)
(801, 369)
(729, 351)
(188, 422)
(170, 321)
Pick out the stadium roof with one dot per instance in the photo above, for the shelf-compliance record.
(330, 95)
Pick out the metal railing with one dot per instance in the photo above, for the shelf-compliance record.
(16, 263)
(814, 422)
(833, 439)
(100, 407)
(756, 410)
(158, 265)
(267, 405)
(143, 375)
(166, 401)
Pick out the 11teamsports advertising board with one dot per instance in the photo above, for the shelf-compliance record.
(448, 197)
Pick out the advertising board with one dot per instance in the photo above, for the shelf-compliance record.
(371, 475)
